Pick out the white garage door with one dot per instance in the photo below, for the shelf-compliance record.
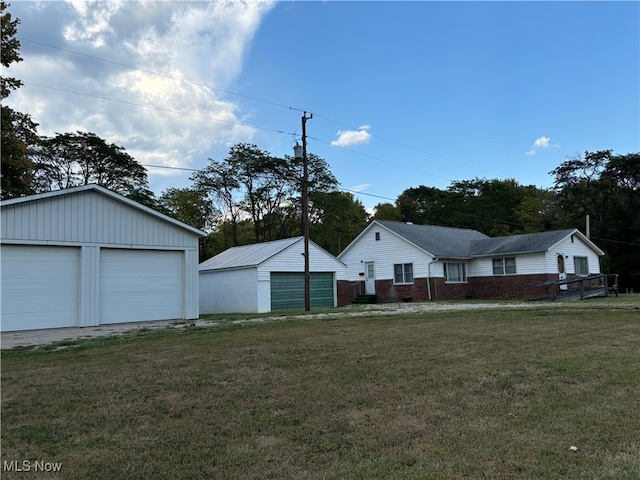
(140, 285)
(40, 287)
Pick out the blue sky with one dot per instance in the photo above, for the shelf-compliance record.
(403, 93)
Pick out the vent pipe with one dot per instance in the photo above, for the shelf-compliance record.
(588, 227)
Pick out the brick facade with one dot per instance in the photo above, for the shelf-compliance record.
(499, 287)
(508, 286)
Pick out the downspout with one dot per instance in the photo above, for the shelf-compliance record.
(429, 277)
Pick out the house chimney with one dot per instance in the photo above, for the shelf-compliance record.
(588, 227)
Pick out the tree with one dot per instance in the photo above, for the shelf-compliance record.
(192, 207)
(74, 159)
(387, 211)
(426, 205)
(18, 140)
(252, 184)
(607, 188)
(336, 218)
(18, 134)
(10, 50)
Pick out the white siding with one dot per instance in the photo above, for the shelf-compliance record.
(526, 264)
(89, 217)
(570, 249)
(91, 222)
(90, 287)
(292, 260)
(228, 291)
(264, 296)
(191, 287)
(386, 252)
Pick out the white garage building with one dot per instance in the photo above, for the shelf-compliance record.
(268, 276)
(87, 256)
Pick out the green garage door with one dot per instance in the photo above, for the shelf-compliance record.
(287, 290)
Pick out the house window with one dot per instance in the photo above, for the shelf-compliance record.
(581, 265)
(377, 236)
(403, 273)
(455, 272)
(504, 266)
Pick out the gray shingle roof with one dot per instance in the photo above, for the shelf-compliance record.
(525, 243)
(446, 242)
(441, 242)
(247, 255)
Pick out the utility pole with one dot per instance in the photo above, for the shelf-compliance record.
(305, 207)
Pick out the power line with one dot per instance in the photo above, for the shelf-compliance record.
(163, 75)
(383, 160)
(405, 145)
(249, 97)
(124, 102)
(160, 109)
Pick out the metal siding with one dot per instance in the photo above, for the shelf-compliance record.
(140, 285)
(292, 260)
(90, 286)
(39, 287)
(228, 291)
(191, 292)
(90, 217)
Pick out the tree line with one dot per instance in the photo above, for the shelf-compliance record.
(252, 196)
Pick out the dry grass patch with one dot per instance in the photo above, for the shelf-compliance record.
(478, 394)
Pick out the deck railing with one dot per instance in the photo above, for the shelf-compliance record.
(598, 285)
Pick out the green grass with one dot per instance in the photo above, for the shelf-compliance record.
(472, 394)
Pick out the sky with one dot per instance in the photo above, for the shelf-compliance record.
(401, 94)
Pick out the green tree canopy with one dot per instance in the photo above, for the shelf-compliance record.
(10, 49)
(606, 187)
(74, 159)
(387, 211)
(251, 184)
(336, 218)
(19, 131)
(494, 207)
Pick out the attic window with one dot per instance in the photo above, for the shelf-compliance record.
(377, 236)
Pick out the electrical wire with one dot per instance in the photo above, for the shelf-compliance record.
(269, 102)
(160, 109)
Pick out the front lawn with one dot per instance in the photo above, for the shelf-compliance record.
(494, 393)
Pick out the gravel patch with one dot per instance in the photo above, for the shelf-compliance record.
(28, 338)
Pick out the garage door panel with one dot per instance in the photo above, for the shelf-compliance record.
(287, 290)
(140, 285)
(40, 287)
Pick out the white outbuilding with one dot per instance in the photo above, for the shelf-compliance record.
(87, 256)
(268, 276)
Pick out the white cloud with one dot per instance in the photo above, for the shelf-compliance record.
(541, 143)
(352, 137)
(360, 188)
(167, 110)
